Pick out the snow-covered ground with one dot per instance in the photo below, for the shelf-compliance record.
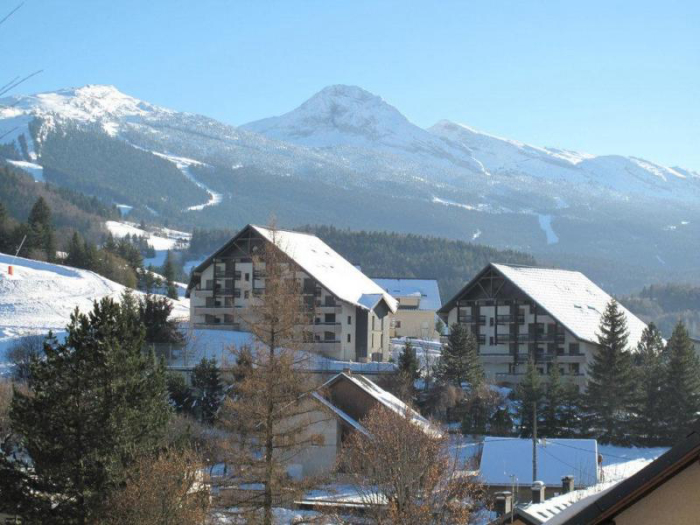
(165, 239)
(33, 169)
(184, 164)
(40, 296)
(621, 462)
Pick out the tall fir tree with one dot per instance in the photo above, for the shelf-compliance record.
(41, 233)
(95, 402)
(681, 392)
(208, 389)
(76, 252)
(459, 362)
(610, 398)
(154, 312)
(408, 362)
(528, 397)
(169, 274)
(553, 403)
(651, 378)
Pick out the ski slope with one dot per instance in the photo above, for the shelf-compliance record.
(41, 296)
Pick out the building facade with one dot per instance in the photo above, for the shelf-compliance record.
(516, 312)
(419, 301)
(350, 315)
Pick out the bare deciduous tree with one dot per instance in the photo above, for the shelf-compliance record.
(165, 490)
(405, 473)
(266, 411)
(23, 352)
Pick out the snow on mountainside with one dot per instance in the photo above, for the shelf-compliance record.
(41, 296)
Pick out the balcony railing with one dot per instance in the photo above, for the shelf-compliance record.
(472, 319)
(510, 318)
(529, 338)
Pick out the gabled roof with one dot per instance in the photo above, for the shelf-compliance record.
(504, 457)
(604, 507)
(387, 399)
(427, 289)
(568, 296)
(338, 412)
(321, 262)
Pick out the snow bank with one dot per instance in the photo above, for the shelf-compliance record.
(35, 170)
(41, 296)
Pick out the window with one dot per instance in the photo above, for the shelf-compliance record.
(246, 293)
(247, 277)
(491, 341)
(373, 325)
(574, 349)
(348, 338)
(328, 336)
(397, 323)
(349, 319)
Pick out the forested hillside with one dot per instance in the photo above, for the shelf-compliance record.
(666, 304)
(70, 210)
(96, 164)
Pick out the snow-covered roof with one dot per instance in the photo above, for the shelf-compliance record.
(571, 297)
(503, 457)
(387, 399)
(552, 507)
(427, 289)
(327, 266)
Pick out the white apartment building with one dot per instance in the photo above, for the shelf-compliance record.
(520, 311)
(351, 314)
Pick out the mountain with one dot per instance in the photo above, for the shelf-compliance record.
(348, 158)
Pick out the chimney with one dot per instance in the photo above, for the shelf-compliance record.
(567, 484)
(537, 492)
(504, 503)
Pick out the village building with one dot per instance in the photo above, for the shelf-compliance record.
(665, 491)
(419, 301)
(520, 311)
(336, 410)
(507, 465)
(350, 314)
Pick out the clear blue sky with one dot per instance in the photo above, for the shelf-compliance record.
(597, 76)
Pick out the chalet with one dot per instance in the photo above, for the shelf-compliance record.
(351, 315)
(521, 311)
(419, 301)
(665, 491)
(336, 410)
(507, 462)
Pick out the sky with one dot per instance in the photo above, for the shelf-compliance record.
(601, 77)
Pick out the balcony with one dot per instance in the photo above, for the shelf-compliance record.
(510, 318)
(471, 319)
(502, 339)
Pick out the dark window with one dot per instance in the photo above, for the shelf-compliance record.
(247, 277)
(397, 324)
(349, 319)
(328, 336)
(246, 294)
(348, 338)
(491, 341)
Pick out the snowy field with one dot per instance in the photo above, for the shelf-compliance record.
(40, 297)
(166, 239)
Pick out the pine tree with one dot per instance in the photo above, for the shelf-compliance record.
(169, 274)
(154, 313)
(528, 394)
(460, 362)
(651, 372)
(681, 392)
(180, 394)
(553, 403)
(208, 389)
(95, 402)
(408, 363)
(570, 422)
(76, 252)
(611, 383)
(41, 230)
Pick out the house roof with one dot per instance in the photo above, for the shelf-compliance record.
(568, 296)
(338, 412)
(427, 289)
(605, 506)
(387, 399)
(321, 262)
(504, 457)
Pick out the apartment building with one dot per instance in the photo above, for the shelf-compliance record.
(351, 315)
(518, 311)
(419, 301)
